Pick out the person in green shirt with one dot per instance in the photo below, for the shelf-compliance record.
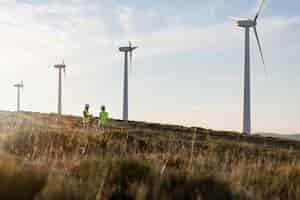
(103, 117)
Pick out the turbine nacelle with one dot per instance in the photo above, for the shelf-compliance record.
(127, 49)
(60, 66)
(19, 85)
(246, 23)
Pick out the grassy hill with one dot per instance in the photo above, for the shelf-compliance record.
(288, 136)
(46, 157)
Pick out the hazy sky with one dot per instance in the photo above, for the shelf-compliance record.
(188, 69)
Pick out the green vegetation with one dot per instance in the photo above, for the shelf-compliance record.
(48, 159)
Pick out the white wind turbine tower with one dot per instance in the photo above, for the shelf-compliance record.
(60, 67)
(126, 49)
(19, 86)
(248, 24)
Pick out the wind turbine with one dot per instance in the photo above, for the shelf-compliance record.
(19, 86)
(60, 67)
(126, 49)
(247, 24)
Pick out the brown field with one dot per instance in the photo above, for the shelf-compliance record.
(44, 157)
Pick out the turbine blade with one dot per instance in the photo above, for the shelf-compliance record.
(260, 48)
(260, 7)
(131, 49)
(65, 72)
(130, 60)
(130, 54)
(22, 86)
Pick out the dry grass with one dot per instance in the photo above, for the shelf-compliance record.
(142, 161)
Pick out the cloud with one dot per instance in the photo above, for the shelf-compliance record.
(74, 28)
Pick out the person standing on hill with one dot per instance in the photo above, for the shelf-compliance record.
(103, 117)
(87, 117)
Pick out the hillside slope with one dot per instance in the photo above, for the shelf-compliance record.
(138, 160)
(282, 136)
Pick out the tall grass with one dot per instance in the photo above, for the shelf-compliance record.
(143, 161)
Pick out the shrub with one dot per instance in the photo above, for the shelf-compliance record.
(125, 172)
(178, 186)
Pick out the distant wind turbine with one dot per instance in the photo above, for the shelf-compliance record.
(247, 24)
(19, 86)
(126, 49)
(60, 67)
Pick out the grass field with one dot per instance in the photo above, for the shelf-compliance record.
(44, 157)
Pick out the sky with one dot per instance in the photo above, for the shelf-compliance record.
(187, 70)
